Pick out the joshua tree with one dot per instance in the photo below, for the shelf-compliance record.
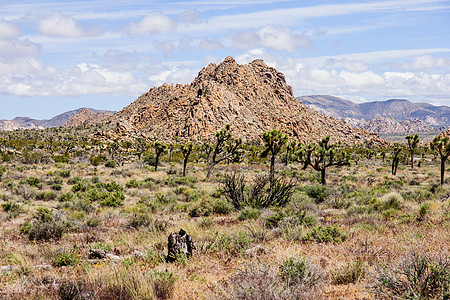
(395, 160)
(442, 146)
(274, 140)
(160, 148)
(290, 148)
(412, 144)
(322, 156)
(141, 146)
(226, 148)
(186, 150)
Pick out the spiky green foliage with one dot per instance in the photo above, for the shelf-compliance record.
(322, 155)
(413, 141)
(186, 150)
(274, 140)
(226, 148)
(442, 146)
(160, 148)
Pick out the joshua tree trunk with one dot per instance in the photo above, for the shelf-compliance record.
(322, 176)
(442, 170)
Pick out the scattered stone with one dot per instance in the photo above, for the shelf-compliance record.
(179, 243)
(5, 268)
(113, 258)
(43, 267)
(97, 253)
(139, 254)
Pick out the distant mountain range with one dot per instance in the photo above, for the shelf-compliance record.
(59, 120)
(391, 116)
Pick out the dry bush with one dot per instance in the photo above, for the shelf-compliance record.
(420, 275)
(260, 281)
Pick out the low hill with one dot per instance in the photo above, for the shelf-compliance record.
(57, 121)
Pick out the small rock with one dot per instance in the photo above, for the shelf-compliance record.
(43, 267)
(139, 254)
(113, 258)
(97, 253)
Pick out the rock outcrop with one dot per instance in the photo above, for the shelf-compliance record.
(251, 98)
(87, 117)
(179, 243)
(389, 125)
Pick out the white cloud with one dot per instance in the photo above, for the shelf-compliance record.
(426, 62)
(12, 49)
(154, 22)
(8, 30)
(58, 24)
(188, 16)
(83, 79)
(352, 65)
(278, 38)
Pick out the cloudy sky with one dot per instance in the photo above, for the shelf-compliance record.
(61, 55)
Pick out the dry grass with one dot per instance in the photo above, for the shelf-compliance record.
(378, 212)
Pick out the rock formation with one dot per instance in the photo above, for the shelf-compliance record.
(252, 98)
(86, 117)
(389, 125)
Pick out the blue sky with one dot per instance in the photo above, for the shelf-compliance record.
(61, 55)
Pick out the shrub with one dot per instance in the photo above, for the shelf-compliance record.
(260, 281)
(273, 220)
(222, 206)
(249, 213)
(45, 231)
(140, 219)
(349, 273)
(317, 192)
(46, 196)
(392, 200)
(233, 188)
(110, 164)
(419, 276)
(33, 181)
(299, 270)
(325, 234)
(65, 259)
(113, 200)
(163, 284)
(56, 187)
(13, 209)
(133, 183)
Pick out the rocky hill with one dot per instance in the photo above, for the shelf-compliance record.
(87, 116)
(251, 98)
(389, 125)
(396, 109)
(59, 120)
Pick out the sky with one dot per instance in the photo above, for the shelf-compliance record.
(57, 56)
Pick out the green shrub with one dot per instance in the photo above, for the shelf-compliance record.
(140, 219)
(204, 208)
(299, 270)
(63, 173)
(46, 195)
(65, 259)
(13, 209)
(273, 220)
(133, 183)
(44, 231)
(349, 273)
(66, 197)
(56, 187)
(113, 200)
(325, 234)
(93, 222)
(110, 164)
(33, 181)
(249, 213)
(222, 206)
(317, 192)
